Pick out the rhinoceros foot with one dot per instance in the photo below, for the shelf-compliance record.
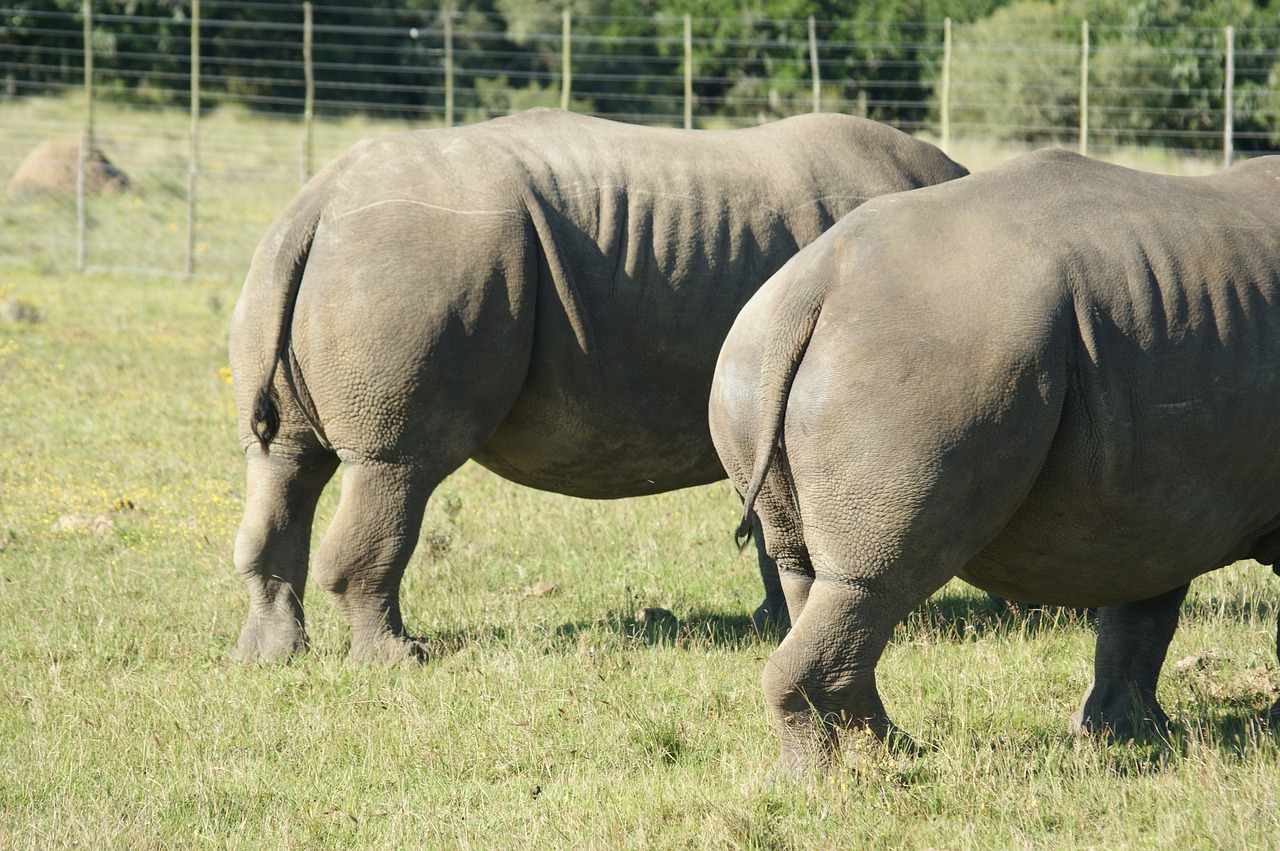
(388, 649)
(1120, 715)
(263, 642)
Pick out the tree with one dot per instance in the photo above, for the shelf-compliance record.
(1156, 72)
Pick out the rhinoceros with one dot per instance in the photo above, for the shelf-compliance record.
(545, 293)
(1058, 380)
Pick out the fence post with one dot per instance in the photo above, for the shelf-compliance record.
(813, 66)
(1084, 88)
(82, 157)
(945, 108)
(86, 136)
(688, 72)
(448, 67)
(566, 77)
(309, 98)
(1228, 98)
(193, 167)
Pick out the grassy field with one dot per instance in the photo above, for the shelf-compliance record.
(545, 719)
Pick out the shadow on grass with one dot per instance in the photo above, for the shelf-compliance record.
(950, 617)
(1210, 608)
(440, 644)
(955, 618)
(699, 628)
(1238, 733)
(958, 617)
(945, 617)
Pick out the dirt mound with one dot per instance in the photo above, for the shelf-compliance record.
(51, 168)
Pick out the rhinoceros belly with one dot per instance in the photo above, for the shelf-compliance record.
(643, 438)
(1125, 512)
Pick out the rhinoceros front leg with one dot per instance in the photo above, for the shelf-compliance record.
(365, 550)
(272, 547)
(1132, 641)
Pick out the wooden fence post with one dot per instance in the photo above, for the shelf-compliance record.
(688, 72)
(945, 107)
(448, 67)
(309, 96)
(1228, 100)
(86, 137)
(566, 76)
(193, 166)
(1084, 88)
(813, 66)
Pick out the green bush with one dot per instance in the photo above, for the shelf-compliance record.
(1156, 73)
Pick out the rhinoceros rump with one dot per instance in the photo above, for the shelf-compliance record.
(1058, 380)
(545, 293)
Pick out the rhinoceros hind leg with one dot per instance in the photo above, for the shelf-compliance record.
(365, 551)
(821, 679)
(1132, 641)
(272, 547)
(771, 615)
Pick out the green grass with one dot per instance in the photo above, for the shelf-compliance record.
(541, 721)
(547, 721)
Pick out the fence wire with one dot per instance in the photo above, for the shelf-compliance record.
(260, 132)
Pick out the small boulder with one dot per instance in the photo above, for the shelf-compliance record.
(52, 167)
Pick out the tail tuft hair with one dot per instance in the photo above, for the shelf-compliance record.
(742, 535)
(265, 421)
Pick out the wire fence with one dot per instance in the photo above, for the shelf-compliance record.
(280, 88)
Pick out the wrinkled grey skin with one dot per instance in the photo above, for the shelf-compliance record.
(1058, 380)
(544, 293)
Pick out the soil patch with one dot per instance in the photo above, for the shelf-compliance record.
(51, 169)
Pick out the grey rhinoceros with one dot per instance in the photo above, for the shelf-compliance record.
(544, 293)
(1058, 380)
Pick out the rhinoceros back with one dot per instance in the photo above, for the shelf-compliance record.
(650, 242)
(629, 250)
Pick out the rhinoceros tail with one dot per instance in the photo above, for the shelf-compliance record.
(786, 339)
(291, 241)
